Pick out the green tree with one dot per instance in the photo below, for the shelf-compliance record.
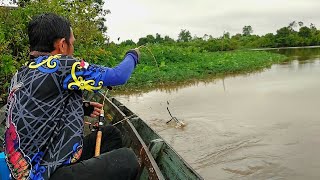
(168, 39)
(305, 32)
(283, 37)
(292, 25)
(247, 30)
(148, 39)
(315, 38)
(236, 37)
(142, 41)
(205, 37)
(226, 35)
(267, 40)
(128, 43)
(151, 38)
(184, 36)
(313, 27)
(305, 35)
(158, 38)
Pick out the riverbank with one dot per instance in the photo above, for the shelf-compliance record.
(176, 66)
(280, 48)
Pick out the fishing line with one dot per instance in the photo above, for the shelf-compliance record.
(125, 119)
(179, 123)
(154, 58)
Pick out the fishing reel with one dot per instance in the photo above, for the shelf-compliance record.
(95, 126)
(92, 126)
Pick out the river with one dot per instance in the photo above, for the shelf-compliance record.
(264, 125)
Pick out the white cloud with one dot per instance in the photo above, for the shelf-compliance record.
(132, 19)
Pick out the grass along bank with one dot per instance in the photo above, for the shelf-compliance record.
(178, 65)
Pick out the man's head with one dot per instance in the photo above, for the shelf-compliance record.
(51, 33)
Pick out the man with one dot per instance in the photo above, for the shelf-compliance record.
(44, 135)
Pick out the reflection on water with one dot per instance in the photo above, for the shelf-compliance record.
(167, 88)
(175, 87)
(299, 53)
(259, 126)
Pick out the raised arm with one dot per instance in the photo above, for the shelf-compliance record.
(90, 77)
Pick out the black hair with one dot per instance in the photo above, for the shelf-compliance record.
(45, 29)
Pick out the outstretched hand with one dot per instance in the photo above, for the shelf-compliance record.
(135, 51)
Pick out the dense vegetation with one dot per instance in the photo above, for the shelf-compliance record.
(177, 60)
(186, 64)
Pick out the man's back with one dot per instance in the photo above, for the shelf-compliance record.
(42, 116)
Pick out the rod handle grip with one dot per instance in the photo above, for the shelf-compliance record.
(98, 144)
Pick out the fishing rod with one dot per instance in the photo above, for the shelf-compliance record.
(99, 134)
(100, 124)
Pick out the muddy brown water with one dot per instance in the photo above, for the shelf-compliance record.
(264, 125)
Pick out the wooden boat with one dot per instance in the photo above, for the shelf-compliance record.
(158, 160)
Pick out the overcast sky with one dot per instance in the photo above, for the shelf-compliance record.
(132, 19)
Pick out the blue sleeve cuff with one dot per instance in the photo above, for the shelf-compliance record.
(134, 56)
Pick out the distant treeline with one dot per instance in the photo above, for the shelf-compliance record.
(295, 34)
